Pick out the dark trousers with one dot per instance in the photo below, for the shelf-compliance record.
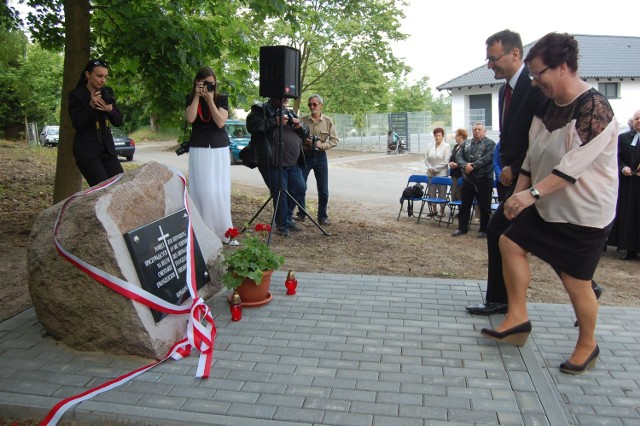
(482, 191)
(496, 289)
(503, 191)
(317, 161)
(291, 181)
(99, 169)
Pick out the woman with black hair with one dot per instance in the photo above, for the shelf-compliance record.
(93, 111)
(209, 161)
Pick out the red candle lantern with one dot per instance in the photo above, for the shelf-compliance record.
(291, 283)
(235, 307)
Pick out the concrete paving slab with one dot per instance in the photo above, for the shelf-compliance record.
(346, 350)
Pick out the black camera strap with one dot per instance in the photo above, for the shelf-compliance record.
(186, 132)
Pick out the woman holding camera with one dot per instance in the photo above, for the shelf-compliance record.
(93, 110)
(209, 162)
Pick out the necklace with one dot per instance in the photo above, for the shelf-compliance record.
(201, 114)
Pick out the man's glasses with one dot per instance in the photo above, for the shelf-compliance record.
(494, 59)
(536, 75)
(312, 104)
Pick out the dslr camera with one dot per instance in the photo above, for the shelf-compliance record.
(183, 148)
(107, 95)
(286, 113)
(314, 139)
(210, 86)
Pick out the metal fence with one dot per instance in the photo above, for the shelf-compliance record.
(369, 133)
(32, 134)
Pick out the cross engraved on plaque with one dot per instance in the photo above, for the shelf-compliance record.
(161, 260)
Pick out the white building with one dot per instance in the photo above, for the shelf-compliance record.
(610, 64)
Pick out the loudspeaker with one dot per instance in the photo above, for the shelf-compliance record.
(279, 72)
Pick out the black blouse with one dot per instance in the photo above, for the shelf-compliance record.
(204, 131)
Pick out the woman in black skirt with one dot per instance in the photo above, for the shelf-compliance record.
(564, 201)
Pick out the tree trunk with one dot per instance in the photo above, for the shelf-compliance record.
(76, 54)
(153, 122)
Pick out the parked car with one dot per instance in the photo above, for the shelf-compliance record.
(238, 137)
(50, 136)
(125, 146)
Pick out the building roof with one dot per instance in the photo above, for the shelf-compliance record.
(602, 57)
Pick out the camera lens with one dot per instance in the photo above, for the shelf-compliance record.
(107, 95)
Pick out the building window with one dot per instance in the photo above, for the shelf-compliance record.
(609, 90)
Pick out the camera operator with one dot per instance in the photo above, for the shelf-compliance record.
(263, 122)
(323, 137)
(93, 110)
(209, 162)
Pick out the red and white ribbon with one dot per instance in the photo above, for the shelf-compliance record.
(199, 336)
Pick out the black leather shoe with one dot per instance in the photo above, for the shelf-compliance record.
(295, 227)
(457, 233)
(629, 255)
(597, 289)
(517, 335)
(488, 308)
(569, 368)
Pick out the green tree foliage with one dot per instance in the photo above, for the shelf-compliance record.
(13, 46)
(410, 97)
(29, 83)
(155, 47)
(345, 49)
(9, 19)
(41, 75)
(155, 42)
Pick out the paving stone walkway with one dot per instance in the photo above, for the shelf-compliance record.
(345, 350)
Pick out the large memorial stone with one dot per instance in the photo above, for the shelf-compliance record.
(86, 315)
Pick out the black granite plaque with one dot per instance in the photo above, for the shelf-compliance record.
(159, 253)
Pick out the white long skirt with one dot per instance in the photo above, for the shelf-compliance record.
(210, 187)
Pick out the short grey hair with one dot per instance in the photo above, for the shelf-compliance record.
(318, 97)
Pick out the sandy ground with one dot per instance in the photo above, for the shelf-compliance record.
(364, 239)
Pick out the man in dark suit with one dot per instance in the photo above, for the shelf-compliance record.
(625, 233)
(518, 101)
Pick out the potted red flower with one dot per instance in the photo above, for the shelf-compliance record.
(249, 267)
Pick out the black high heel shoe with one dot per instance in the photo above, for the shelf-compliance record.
(598, 290)
(569, 368)
(517, 335)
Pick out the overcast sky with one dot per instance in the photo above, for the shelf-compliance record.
(446, 39)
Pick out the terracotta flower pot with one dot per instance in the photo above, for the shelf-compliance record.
(255, 295)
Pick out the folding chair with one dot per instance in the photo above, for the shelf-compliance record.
(454, 206)
(421, 180)
(433, 202)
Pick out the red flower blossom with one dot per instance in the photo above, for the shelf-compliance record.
(263, 227)
(232, 233)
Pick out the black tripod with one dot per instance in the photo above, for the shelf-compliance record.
(281, 191)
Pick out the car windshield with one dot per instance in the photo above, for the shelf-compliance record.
(117, 133)
(53, 130)
(238, 130)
